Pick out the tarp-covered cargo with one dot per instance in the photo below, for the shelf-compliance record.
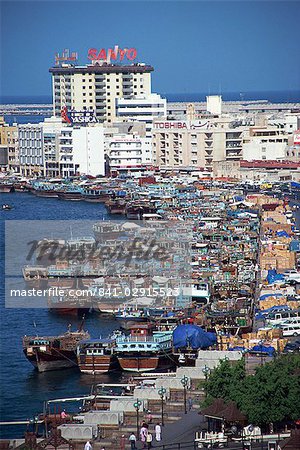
(192, 336)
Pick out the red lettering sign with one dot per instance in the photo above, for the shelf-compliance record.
(122, 53)
(92, 54)
(112, 54)
(131, 54)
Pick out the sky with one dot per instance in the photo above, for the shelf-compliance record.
(194, 46)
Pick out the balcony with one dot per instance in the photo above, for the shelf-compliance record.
(100, 85)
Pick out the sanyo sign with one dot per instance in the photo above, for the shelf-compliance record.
(112, 54)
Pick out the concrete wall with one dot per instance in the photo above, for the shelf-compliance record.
(103, 418)
(124, 405)
(75, 431)
(148, 393)
(218, 355)
(193, 373)
(171, 383)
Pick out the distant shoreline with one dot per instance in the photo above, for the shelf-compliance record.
(287, 96)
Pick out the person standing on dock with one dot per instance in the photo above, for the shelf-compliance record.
(157, 432)
(88, 446)
(132, 440)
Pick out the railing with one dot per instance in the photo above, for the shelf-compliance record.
(177, 445)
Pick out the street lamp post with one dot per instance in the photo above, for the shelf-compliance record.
(162, 392)
(137, 405)
(184, 382)
(206, 370)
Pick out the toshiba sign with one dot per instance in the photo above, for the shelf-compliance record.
(180, 125)
(170, 125)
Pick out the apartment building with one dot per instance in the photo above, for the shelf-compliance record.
(265, 143)
(128, 152)
(143, 108)
(196, 143)
(9, 146)
(81, 151)
(97, 86)
(31, 154)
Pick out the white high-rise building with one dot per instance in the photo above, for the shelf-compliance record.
(97, 87)
(81, 151)
(143, 108)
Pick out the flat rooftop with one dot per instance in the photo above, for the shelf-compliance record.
(103, 68)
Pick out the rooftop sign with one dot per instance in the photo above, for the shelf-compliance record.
(78, 117)
(66, 56)
(112, 54)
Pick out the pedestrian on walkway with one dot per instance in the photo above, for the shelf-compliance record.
(149, 440)
(158, 432)
(132, 440)
(190, 403)
(122, 442)
(88, 446)
(143, 435)
(149, 416)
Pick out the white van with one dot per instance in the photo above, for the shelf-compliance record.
(292, 329)
(279, 317)
(292, 275)
(291, 321)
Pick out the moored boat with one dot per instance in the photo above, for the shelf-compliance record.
(96, 195)
(73, 193)
(96, 356)
(145, 350)
(53, 352)
(127, 318)
(6, 188)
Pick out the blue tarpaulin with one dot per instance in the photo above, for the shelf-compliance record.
(294, 184)
(282, 233)
(265, 312)
(237, 348)
(264, 349)
(274, 276)
(193, 336)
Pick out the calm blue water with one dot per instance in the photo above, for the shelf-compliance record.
(272, 96)
(23, 390)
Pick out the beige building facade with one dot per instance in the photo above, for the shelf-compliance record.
(96, 87)
(195, 143)
(9, 145)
